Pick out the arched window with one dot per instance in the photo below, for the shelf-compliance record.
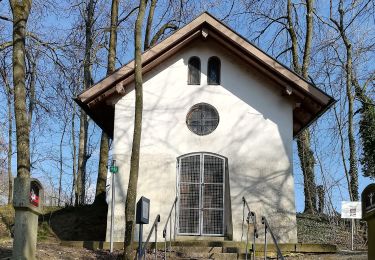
(213, 71)
(194, 71)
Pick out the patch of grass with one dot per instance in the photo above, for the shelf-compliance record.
(45, 232)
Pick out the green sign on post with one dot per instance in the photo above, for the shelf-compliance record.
(113, 169)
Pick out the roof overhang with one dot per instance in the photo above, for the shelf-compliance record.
(309, 101)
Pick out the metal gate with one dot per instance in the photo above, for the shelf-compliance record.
(201, 194)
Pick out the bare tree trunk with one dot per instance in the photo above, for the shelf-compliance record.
(8, 91)
(32, 72)
(134, 161)
(320, 191)
(74, 166)
(101, 182)
(10, 148)
(20, 10)
(305, 153)
(352, 145)
(353, 171)
(149, 24)
(82, 152)
(61, 163)
(307, 165)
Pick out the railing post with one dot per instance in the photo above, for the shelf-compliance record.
(254, 233)
(170, 236)
(156, 240)
(165, 245)
(247, 235)
(243, 215)
(265, 241)
(175, 220)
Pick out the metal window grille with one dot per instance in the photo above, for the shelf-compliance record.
(202, 119)
(201, 193)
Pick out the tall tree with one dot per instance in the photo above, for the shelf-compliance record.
(353, 89)
(87, 81)
(305, 152)
(104, 141)
(134, 160)
(21, 11)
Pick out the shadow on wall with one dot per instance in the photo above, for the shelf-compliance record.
(262, 184)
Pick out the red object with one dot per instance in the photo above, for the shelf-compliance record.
(34, 199)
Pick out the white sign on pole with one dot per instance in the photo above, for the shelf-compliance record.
(351, 209)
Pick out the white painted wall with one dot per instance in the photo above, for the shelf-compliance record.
(254, 133)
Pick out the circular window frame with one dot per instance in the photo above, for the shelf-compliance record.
(199, 106)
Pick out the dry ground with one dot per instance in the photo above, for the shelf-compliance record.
(53, 251)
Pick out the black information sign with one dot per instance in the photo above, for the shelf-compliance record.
(368, 200)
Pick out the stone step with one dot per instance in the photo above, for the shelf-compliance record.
(203, 256)
(196, 251)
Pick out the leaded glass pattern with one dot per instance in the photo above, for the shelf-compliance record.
(202, 119)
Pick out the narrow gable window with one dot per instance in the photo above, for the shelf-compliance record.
(194, 71)
(213, 71)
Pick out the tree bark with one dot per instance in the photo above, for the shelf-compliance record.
(149, 24)
(307, 165)
(353, 171)
(134, 160)
(61, 162)
(21, 11)
(10, 148)
(101, 182)
(74, 192)
(305, 153)
(82, 148)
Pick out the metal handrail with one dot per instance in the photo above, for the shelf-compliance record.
(144, 247)
(170, 229)
(250, 215)
(266, 226)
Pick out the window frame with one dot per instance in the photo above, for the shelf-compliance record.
(214, 60)
(191, 68)
(200, 106)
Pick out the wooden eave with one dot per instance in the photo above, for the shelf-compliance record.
(310, 101)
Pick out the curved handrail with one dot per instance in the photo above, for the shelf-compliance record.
(169, 221)
(267, 226)
(169, 217)
(154, 226)
(250, 215)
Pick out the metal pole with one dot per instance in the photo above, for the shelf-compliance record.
(352, 233)
(265, 241)
(170, 234)
(112, 210)
(156, 241)
(254, 236)
(243, 218)
(247, 236)
(175, 221)
(140, 251)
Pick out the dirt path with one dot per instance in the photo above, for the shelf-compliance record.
(54, 251)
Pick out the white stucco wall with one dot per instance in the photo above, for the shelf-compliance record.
(254, 133)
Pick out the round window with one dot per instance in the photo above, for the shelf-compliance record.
(202, 119)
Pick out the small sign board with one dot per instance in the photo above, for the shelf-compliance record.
(368, 200)
(351, 209)
(143, 211)
(113, 169)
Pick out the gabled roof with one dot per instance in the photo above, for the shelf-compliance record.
(310, 102)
